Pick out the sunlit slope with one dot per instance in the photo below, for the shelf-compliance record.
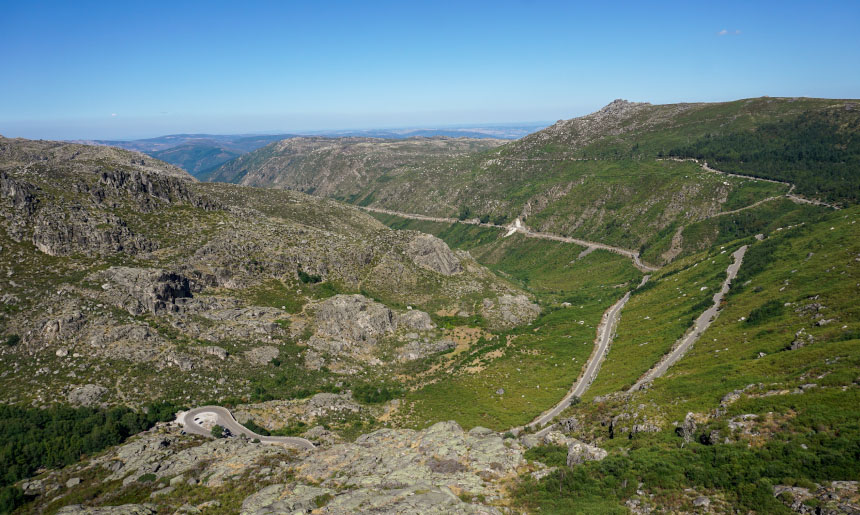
(792, 318)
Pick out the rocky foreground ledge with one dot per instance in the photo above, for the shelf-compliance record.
(441, 469)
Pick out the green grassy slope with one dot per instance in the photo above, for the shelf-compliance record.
(534, 365)
(653, 320)
(766, 414)
(811, 274)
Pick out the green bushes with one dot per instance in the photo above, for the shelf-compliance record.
(817, 151)
(746, 475)
(500, 219)
(819, 443)
(217, 431)
(253, 426)
(12, 340)
(770, 309)
(308, 278)
(375, 394)
(464, 213)
(549, 455)
(10, 498)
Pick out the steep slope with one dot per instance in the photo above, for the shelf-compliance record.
(126, 281)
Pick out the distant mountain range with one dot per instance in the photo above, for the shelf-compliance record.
(200, 154)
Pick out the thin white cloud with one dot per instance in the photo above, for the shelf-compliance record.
(726, 32)
(113, 115)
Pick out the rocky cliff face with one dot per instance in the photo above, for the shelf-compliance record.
(144, 290)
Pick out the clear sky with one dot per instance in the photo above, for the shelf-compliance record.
(124, 69)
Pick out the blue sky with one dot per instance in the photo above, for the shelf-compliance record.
(127, 69)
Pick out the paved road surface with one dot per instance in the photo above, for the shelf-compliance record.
(225, 419)
(522, 229)
(699, 327)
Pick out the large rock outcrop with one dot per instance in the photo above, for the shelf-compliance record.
(144, 290)
(433, 254)
(75, 231)
(441, 469)
(353, 318)
(510, 310)
(353, 325)
(580, 452)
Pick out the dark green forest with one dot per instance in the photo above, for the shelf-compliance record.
(817, 151)
(32, 439)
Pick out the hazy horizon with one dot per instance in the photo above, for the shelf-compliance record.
(98, 70)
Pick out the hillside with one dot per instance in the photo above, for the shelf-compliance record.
(621, 176)
(117, 274)
(196, 158)
(198, 154)
(760, 414)
(341, 167)
(405, 364)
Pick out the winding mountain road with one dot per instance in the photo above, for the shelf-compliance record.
(789, 194)
(517, 226)
(699, 326)
(191, 421)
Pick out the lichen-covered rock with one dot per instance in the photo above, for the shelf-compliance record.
(281, 498)
(350, 326)
(556, 438)
(323, 404)
(688, 429)
(218, 352)
(441, 469)
(87, 395)
(442, 454)
(510, 310)
(415, 320)
(353, 318)
(579, 452)
(433, 254)
(262, 355)
(76, 231)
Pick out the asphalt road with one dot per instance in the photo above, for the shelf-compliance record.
(225, 419)
(699, 327)
(518, 227)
